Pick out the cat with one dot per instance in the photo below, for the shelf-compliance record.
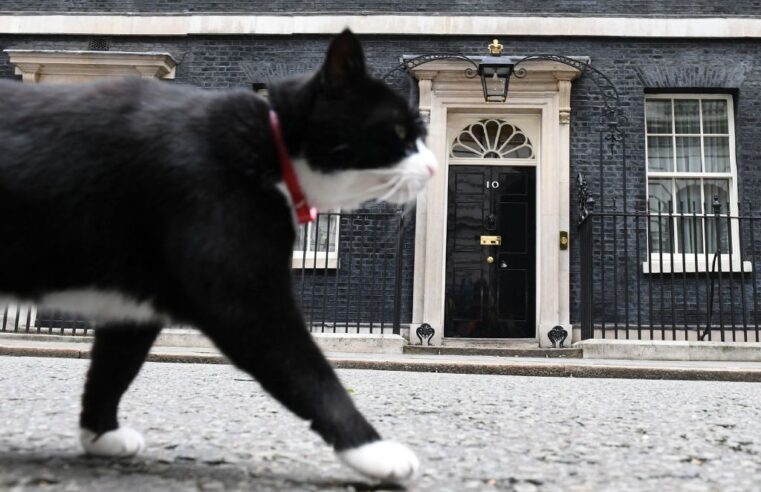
(141, 203)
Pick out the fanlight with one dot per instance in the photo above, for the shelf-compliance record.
(492, 139)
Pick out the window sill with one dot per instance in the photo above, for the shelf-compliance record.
(658, 265)
(310, 262)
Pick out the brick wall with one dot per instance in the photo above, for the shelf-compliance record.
(632, 64)
(694, 8)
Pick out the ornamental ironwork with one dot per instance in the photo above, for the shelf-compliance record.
(585, 200)
(425, 332)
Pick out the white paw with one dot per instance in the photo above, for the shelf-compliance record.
(383, 460)
(121, 442)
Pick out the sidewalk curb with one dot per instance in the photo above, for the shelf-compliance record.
(560, 370)
(507, 368)
(670, 350)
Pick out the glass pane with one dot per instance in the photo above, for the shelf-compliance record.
(688, 197)
(660, 154)
(687, 116)
(300, 234)
(660, 234)
(716, 188)
(715, 119)
(688, 154)
(507, 132)
(480, 135)
(658, 115)
(326, 233)
(466, 146)
(659, 198)
(717, 154)
(717, 228)
(690, 233)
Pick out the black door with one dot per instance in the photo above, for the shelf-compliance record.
(490, 289)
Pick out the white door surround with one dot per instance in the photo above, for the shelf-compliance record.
(543, 96)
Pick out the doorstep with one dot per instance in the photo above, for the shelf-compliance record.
(194, 339)
(499, 347)
(670, 350)
(328, 342)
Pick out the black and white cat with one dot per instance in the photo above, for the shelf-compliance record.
(140, 203)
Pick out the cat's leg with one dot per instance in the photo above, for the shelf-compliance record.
(274, 346)
(117, 355)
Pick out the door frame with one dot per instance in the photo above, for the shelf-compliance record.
(544, 93)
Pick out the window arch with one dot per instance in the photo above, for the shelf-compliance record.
(492, 139)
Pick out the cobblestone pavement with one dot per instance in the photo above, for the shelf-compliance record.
(209, 428)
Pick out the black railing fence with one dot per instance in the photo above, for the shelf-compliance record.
(347, 271)
(671, 274)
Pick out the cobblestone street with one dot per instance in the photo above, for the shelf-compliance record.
(209, 428)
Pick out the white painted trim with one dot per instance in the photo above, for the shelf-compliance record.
(688, 264)
(61, 66)
(732, 175)
(435, 25)
(322, 261)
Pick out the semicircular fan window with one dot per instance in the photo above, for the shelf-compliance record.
(492, 139)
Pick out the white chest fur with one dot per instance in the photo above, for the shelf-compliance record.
(348, 188)
(97, 305)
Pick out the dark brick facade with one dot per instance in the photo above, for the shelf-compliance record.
(682, 8)
(362, 288)
(634, 65)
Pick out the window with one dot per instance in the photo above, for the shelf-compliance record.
(690, 160)
(317, 243)
(492, 139)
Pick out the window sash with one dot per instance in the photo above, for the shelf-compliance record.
(704, 226)
(327, 224)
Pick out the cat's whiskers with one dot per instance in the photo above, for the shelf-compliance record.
(392, 171)
(398, 182)
(408, 204)
(363, 194)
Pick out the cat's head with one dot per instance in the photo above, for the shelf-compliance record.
(358, 140)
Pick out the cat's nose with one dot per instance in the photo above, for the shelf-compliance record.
(431, 169)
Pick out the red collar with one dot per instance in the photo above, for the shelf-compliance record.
(304, 213)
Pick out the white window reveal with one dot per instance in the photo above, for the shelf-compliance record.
(690, 149)
(492, 138)
(316, 243)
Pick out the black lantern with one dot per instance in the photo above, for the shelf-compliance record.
(495, 73)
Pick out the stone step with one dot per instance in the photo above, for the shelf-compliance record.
(568, 353)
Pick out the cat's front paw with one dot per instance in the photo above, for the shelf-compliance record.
(122, 442)
(382, 460)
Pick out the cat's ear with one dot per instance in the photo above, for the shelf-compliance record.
(344, 63)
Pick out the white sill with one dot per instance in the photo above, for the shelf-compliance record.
(662, 264)
(311, 261)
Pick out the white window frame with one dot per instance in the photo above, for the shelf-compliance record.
(320, 259)
(662, 262)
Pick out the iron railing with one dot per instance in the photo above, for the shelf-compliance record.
(670, 275)
(355, 287)
(347, 277)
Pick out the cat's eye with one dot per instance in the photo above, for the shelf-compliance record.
(401, 132)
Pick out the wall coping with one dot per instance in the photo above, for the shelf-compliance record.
(392, 24)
